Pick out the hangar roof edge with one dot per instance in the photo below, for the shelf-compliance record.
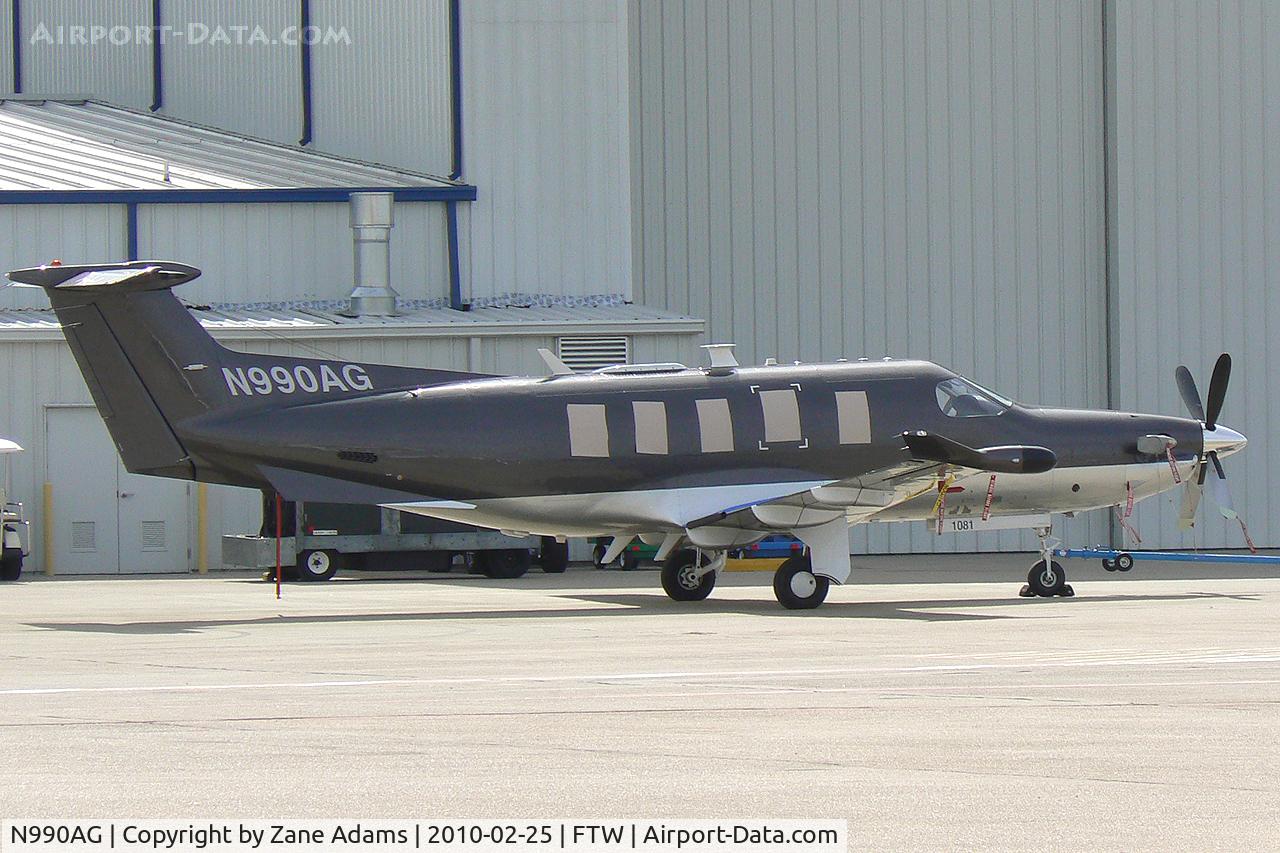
(78, 145)
(231, 322)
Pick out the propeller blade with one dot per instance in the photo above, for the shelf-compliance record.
(1217, 465)
(1222, 497)
(1217, 390)
(1190, 393)
(1190, 503)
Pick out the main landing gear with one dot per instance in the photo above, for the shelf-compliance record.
(1047, 578)
(689, 574)
(797, 587)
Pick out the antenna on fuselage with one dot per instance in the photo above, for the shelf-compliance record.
(553, 362)
(723, 361)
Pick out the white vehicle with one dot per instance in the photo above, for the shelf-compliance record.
(14, 519)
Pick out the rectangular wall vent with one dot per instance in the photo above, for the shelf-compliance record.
(84, 536)
(153, 536)
(582, 353)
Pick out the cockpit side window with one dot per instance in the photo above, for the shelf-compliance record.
(960, 398)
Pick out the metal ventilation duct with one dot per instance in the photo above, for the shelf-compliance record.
(372, 218)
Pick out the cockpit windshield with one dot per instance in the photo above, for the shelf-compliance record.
(960, 398)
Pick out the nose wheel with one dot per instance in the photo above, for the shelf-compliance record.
(1047, 578)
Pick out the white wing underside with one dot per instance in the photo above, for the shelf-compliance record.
(856, 499)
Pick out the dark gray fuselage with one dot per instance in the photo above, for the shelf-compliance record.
(510, 437)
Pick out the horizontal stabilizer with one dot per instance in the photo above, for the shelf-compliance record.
(1008, 459)
(131, 277)
(301, 486)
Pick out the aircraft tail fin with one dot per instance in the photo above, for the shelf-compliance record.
(150, 365)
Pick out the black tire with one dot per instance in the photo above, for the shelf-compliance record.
(318, 565)
(1047, 582)
(554, 556)
(797, 587)
(11, 565)
(597, 556)
(1124, 562)
(506, 564)
(629, 561)
(1108, 564)
(679, 581)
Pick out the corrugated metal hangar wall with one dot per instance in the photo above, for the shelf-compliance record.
(843, 178)
(1195, 230)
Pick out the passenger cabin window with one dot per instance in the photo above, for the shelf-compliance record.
(651, 427)
(781, 415)
(588, 430)
(853, 417)
(960, 398)
(715, 426)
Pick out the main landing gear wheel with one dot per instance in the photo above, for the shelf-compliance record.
(317, 565)
(1047, 580)
(797, 587)
(680, 579)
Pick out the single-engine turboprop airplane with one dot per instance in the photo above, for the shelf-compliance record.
(696, 460)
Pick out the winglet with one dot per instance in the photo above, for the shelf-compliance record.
(554, 364)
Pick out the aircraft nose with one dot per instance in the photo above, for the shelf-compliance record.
(1223, 440)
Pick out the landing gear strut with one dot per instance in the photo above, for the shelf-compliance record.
(1047, 578)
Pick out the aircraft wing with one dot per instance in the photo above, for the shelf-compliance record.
(929, 460)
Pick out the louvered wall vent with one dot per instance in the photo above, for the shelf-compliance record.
(153, 536)
(84, 536)
(589, 353)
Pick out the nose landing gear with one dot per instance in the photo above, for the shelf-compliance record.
(1047, 578)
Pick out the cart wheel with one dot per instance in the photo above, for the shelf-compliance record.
(629, 561)
(505, 564)
(317, 565)
(554, 556)
(11, 565)
(1108, 564)
(1124, 562)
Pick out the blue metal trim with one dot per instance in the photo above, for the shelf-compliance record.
(463, 192)
(157, 58)
(455, 83)
(304, 53)
(16, 20)
(455, 268)
(1165, 556)
(131, 230)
